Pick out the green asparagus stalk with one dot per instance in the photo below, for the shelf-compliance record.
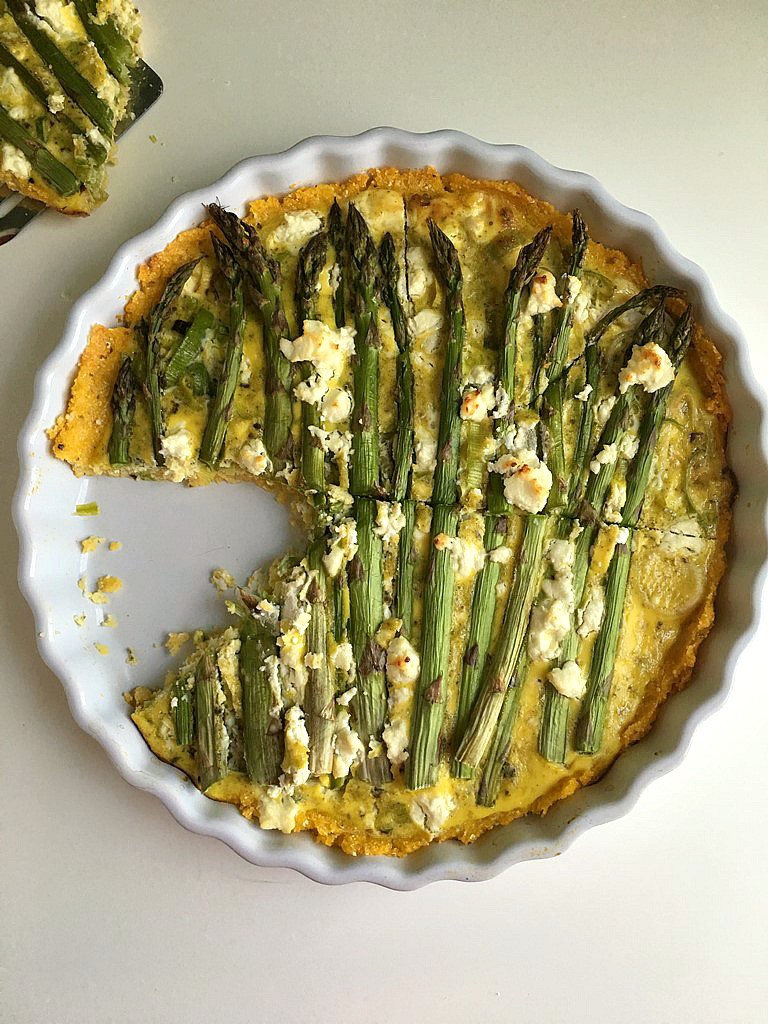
(220, 409)
(445, 487)
(123, 407)
(366, 597)
(365, 380)
(153, 378)
(500, 672)
(188, 348)
(402, 448)
(497, 762)
(263, 280)
(79, 90)
(336, 235)
(211, 739)
(262, 740)
(591, 723)
(36, 88)
(318, 698)
(114, 49)
(579, 242)
(311, 262)
(480, 624)
(431, 690)
(551, 410)
(405, 570)
(59, 176)
(183, 706)
(637, 482)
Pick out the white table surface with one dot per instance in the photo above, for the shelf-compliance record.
(112, 912)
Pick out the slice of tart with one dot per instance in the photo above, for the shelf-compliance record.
(65, 85)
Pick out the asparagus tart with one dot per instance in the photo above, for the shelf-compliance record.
(506, 451)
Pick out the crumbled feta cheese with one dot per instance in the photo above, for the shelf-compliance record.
(568, 680)
(313, 390)
(294, 231)
(14, 162)
(178, 453)
(56, 102)
(425, 327)
(605, 457)
(615, 502)
(346, 698)
(245, 372)
(622, 535)
(403, 664)
(431, 810)
(269, 610)
(337, 442)
(572, 289)
(583, 395)
(337, 405)
(629, 445)
(395, 736)
(420, 277)
(296, 754)
(277, 810)
(253, 457)
(542, 296)
(591, 613)
(343, 546)
(648, 365)
(581, 305)
(551, 616)
(477, 403)
(467, 558)
(348, 748)
(390, 520)
(329, 351)
(603, 411)
(426, 456)
(527, 480)
(62, 18)
(343, 659)
(501, 554)
(502, 403)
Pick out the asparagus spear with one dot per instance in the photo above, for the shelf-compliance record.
(34, 86)
(445, 487)
(405, 569)
(591, 722)
(114, 49)
(220, 410)
(499, 676)
(79, 90)
(318, 698)
(497, 762)
(263, 280)
(553, 397)
(579, 242)
(57, 174)
(484, 592)
(365, 381)
(211, 739)
(336, 234)
(366, 597)
(123, 406)
(311, 262)
(263, 743)
(402, 448)
(188, 348)
(431, 690)
(153, 373)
